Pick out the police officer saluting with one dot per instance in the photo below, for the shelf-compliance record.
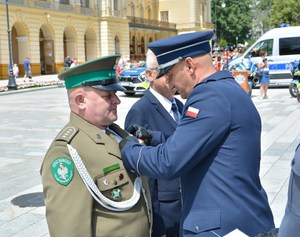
(87, 190)
(215, 149)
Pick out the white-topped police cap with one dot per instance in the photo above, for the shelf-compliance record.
(174, 49)
(99, 73)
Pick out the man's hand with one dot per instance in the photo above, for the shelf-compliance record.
(141, 133)
(124, 141)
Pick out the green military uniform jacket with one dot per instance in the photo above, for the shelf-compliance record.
(71, 211)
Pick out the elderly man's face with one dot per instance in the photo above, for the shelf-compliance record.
(101, 107)
(160, 84)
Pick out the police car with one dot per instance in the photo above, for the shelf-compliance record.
(282, 46)
(134, 80)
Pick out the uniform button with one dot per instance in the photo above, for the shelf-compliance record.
(197, 229)
(99, 136)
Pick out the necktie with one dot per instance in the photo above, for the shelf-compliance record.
(175, 112)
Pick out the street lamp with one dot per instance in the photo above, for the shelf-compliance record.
(11, 81)
(215, 8)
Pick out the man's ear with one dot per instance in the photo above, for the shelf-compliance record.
(80, 100)
(149, 75)
(189, 65)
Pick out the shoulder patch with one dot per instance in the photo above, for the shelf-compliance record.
(67, 134)
(192, 112)
(62, 170)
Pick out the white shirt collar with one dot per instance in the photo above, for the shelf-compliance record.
(163, 101)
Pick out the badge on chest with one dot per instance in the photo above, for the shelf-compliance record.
(112, 180)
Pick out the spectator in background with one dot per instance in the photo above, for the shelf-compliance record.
(27, 69)
(235, 53)
(226, 57)
(68, 62)
(264, 75)
(254, 52)
(74, 62)
(15, 71)
(217, 61)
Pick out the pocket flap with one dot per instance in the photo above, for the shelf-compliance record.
(202, 220)
(112, 180)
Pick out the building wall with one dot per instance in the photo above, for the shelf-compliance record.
(47, 31)
(189, 15)
(68, 33)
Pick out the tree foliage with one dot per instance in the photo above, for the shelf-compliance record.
(285, 11)
(233, 21)
(236, 21)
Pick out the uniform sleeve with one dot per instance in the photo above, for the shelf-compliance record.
(196, 137)
(68, 207)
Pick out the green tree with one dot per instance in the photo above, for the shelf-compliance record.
(285, 11)
(261, 12)
(233, 20)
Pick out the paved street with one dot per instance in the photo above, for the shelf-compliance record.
(30, 121)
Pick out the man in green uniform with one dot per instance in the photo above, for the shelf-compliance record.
(87, 190)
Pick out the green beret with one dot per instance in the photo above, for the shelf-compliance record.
(99, 74)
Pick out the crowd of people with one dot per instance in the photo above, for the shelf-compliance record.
(221, 58)
(178, 169)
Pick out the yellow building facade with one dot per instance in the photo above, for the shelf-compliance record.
(47, 31)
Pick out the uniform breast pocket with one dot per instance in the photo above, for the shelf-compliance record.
(112, 185)
(294, 189)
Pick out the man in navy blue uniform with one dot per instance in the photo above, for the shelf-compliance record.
(215, 149)
(291, 220)
(154, 111)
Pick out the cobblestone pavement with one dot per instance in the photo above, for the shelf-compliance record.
(30, 121)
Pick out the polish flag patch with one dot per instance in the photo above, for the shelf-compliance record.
(192, 112)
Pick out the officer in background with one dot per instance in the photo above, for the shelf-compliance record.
(158, 110)
(87, 190)
(291, 221)
(68, 62)
(215, 148)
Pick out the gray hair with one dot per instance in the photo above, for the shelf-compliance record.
(151, 61)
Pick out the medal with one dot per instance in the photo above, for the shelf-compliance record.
(116, 194)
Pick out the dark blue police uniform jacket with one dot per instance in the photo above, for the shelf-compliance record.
(291, 221)
(166, 197)
(216, 152)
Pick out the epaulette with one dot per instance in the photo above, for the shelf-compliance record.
(67, 133)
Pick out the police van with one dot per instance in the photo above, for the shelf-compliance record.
(282, 46)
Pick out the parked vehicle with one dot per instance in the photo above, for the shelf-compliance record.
(295, 83)
(282, 46)
(134, 80)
